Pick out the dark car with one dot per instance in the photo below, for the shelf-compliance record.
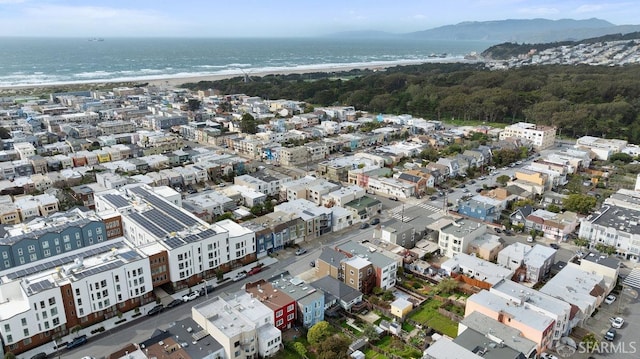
(364, 225)
(478, 190)
(40, 355)
(206, 290)
(375, 221)
(175, 303)
(156, 310)
(554, 246)
(77, 342)
(433, 198)
(312, 263)
(394, 198)
(498, 230)
(450, 190)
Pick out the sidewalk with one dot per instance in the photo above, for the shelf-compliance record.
(132, 315)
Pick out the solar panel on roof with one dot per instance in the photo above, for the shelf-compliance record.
(116, 200)
(146, 224)
(59, 262)
(130, 255)
(174, 242)
(163, 221)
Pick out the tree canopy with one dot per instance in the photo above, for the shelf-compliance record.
(319, 332)
(578, 100)
(580, 203)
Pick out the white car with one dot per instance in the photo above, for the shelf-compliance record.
(240, 276)
(547, 356)
(191, 296)
(610, 299)
(617, 322)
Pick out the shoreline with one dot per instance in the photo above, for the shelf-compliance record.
(179, 80)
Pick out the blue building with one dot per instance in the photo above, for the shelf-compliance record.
(481, 210)
(43, 238)
(310, 301)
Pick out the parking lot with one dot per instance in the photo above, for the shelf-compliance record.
(627, 341)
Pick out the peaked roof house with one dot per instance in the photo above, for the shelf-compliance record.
(337, 293)
(518, 217)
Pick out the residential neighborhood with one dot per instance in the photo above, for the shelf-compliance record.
(262, 220)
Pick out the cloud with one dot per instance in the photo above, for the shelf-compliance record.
(589, 8)
(63, 20)
(538, 11)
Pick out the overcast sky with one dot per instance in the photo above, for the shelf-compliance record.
(249, 18)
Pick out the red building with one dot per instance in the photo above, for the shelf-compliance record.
(282, 305)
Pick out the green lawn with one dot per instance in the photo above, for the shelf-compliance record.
(370, 354)
(397, 347)
(407, 327)
(429, 316)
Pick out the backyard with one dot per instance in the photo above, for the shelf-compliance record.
(428, 315)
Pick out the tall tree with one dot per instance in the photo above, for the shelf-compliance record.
(248, 124)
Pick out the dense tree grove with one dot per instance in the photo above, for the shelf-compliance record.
(579, 100)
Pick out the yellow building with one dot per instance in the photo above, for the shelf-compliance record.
(532, 177)
(401, 307)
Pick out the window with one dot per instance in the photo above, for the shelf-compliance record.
(290, 308)
(56, 321)
(45, 244)
(20, 252)
(9, 338)
(279, 313)
(7, 328)
(290, 316)
(26, 332)
(24, 321)
(279, 322)
(52, 301)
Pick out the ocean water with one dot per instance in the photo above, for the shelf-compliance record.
(36, 61)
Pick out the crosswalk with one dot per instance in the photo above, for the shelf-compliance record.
(403, 212)
(429, 207)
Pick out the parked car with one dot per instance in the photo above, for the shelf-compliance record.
(393, 198)
(370, 191)
(610, 335)
(206, 290)
(465, 190)
(40, 355)
(548, 356)
(529, 239)
(240, 276)
(191, 296)
(554, 246)
(312, 263)
(364, 226)
(433, 198)
(175, 303)
(254, 270)
(77, 342)
(617, 322)
(300, 251)
(610, 299)
(375, 221)
(155, 310)
(498, 230)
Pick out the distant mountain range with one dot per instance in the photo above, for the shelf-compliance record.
(528, 31)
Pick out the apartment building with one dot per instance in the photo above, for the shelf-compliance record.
(534, 325)
(602, 148)
(242, 325)
(615, 224)
(80, 287)
(195, 249)
(318, 220)
(454, 238)
(476, 271)
(266, 182)
(540, 136)
(384, 264)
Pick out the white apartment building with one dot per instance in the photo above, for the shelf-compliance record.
(242, 325)
(616, 224)
(25, 150)
(454, 238)
(192, 245)
(52, 295)
(601, 147)
(263, 181)
(540, 136)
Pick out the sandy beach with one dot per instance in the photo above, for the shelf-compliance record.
(178, 81)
